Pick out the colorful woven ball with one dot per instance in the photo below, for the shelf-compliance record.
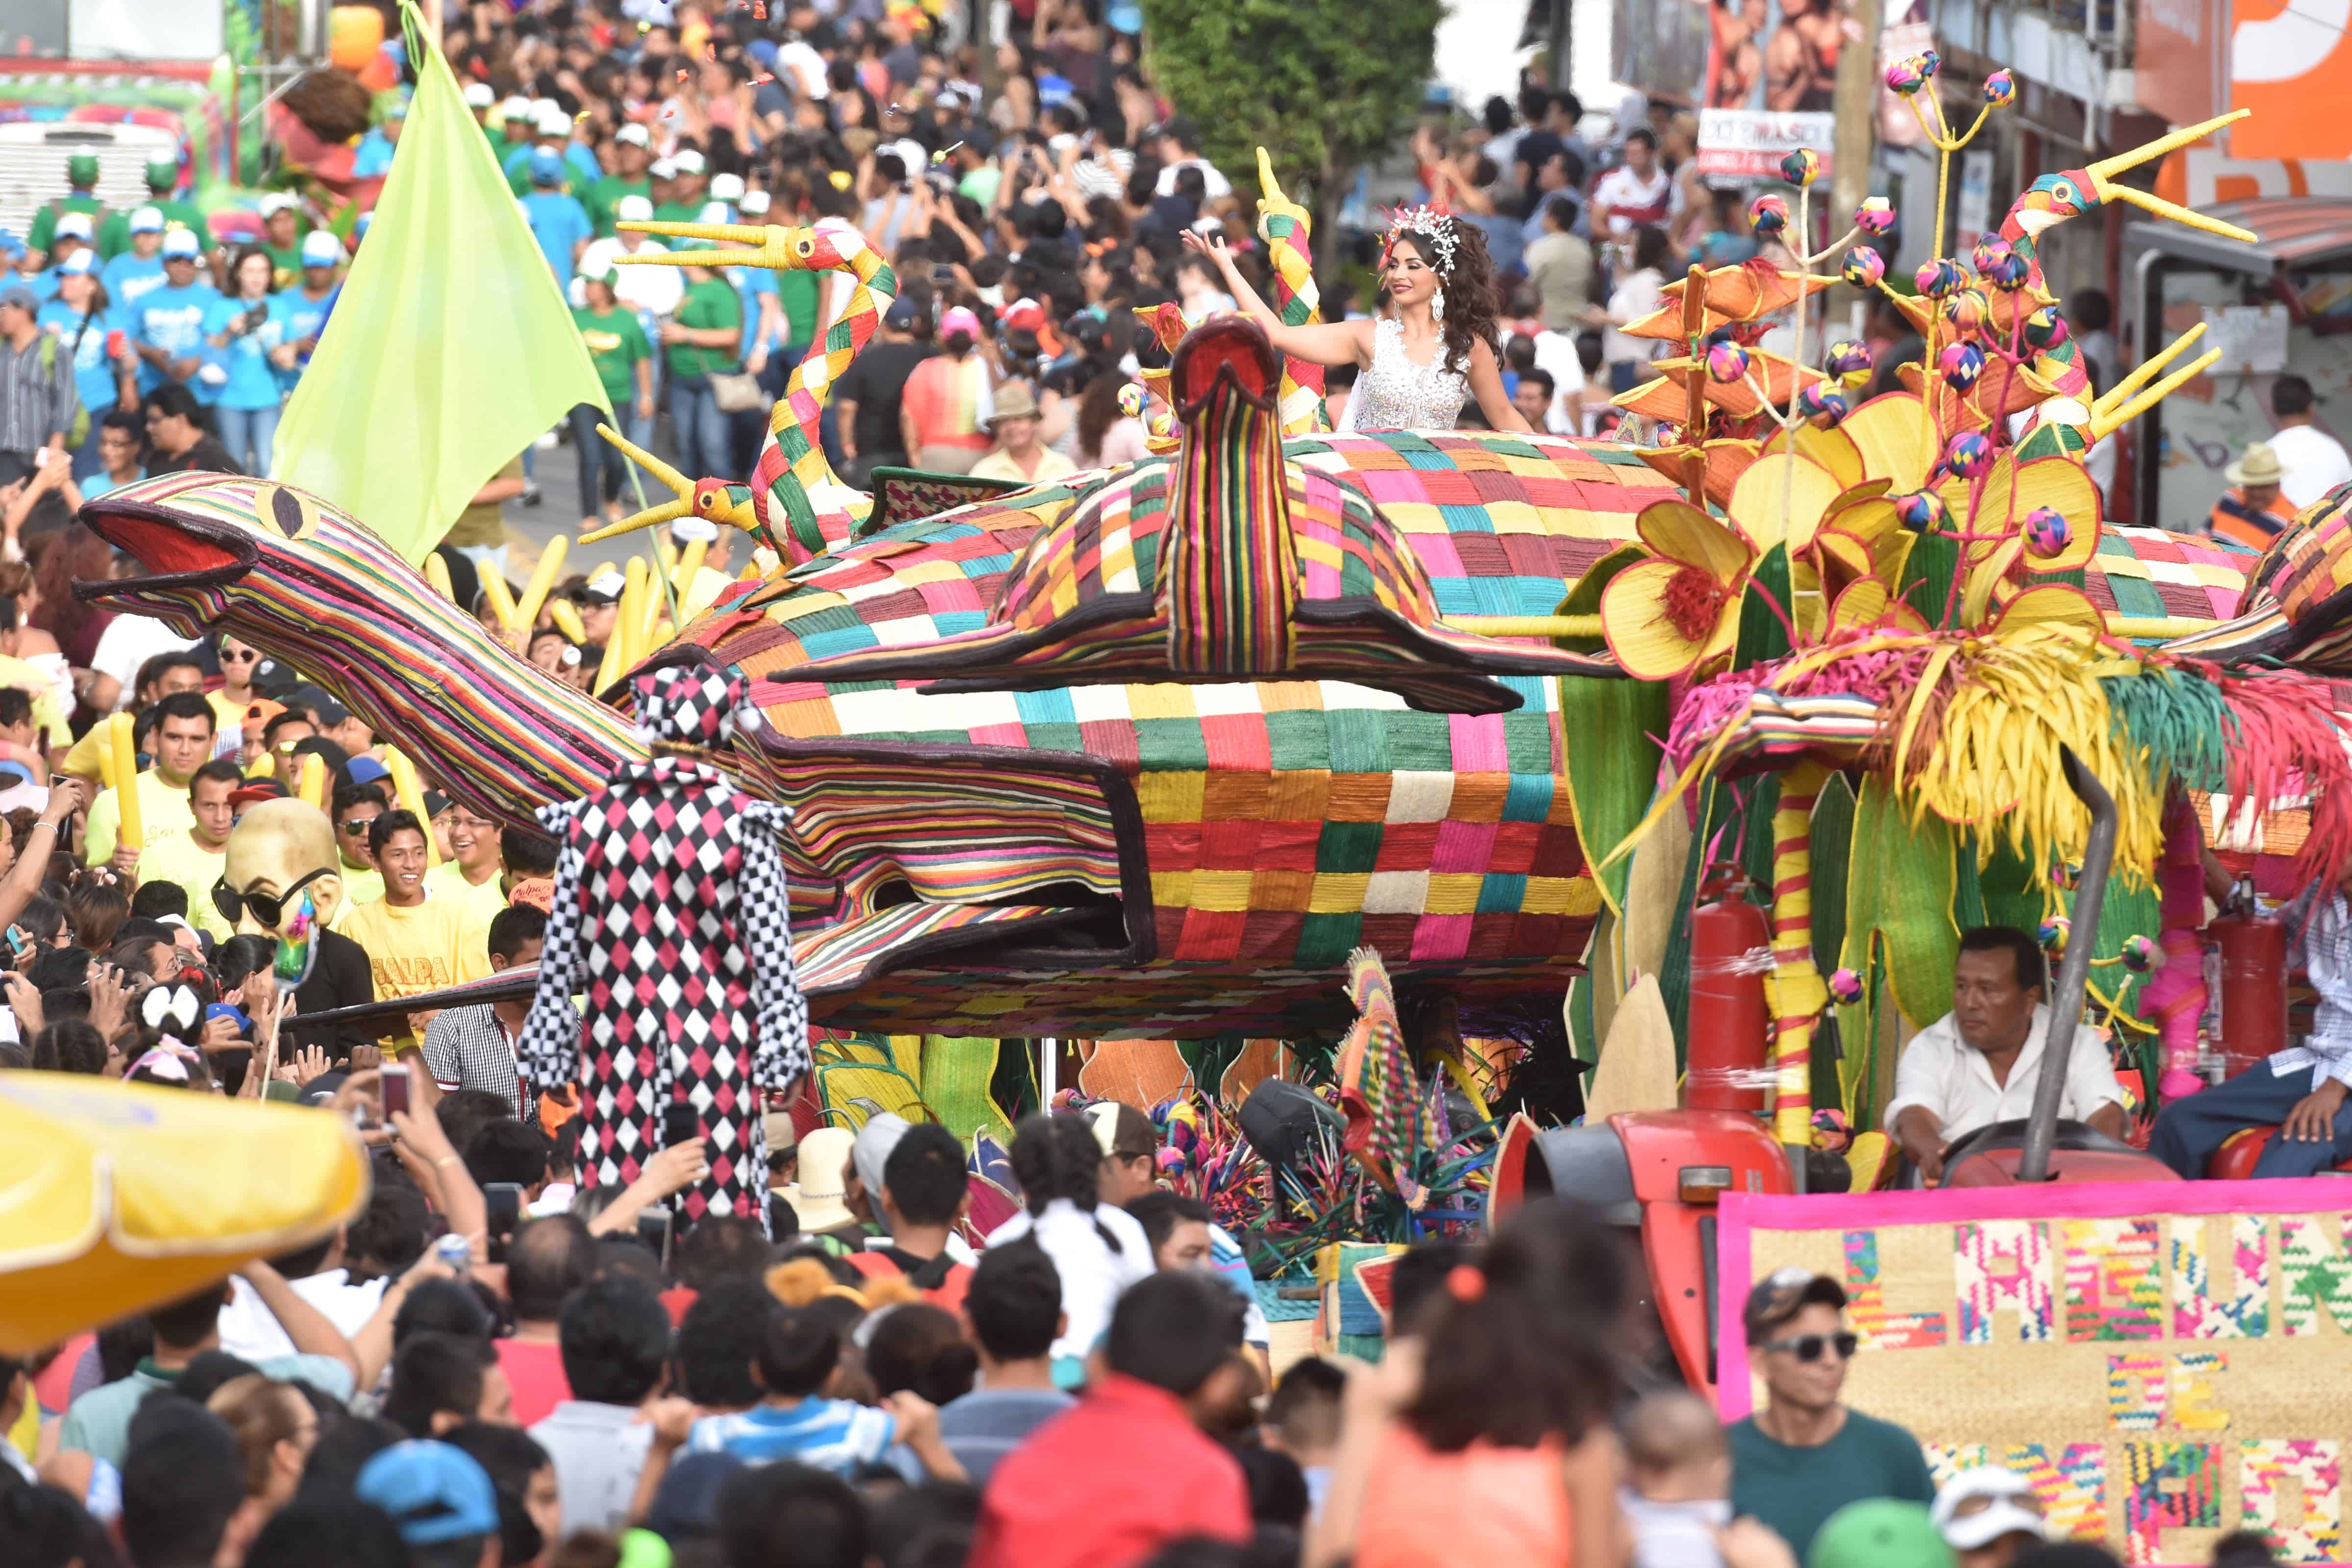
(1922, 512)
(1862, 266)
(1172, 1162)
(2064, 874)
(1830, 1130)
(1998, 263)
(1802, 167)
(1930, 62)
(2045, 328)
(2046, 532)
(1876, 216)
(1845, 357)
(1960, 364)
(1968, 455)
(1769, 214)
(2053, 934)
(1845, 987)
(1940, 276)
(1966, 311)
(1821, 400)
(1131, 400)
(2139, 954)
(1906, 77)
(1726, 362)
(2000, 90)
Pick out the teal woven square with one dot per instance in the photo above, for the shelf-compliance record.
(1359, 740)
(1298, 739)
(1165, 743)
(1420, 742)
(1526, 740)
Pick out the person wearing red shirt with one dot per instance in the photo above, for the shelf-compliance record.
(548, 1259)
(1129, 1470)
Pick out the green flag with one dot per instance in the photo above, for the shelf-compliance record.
(451, 347)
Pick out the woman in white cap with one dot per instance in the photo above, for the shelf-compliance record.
(78, 319)
(241, 330)
(140, 267)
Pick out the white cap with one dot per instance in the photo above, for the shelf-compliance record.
(608, 585)
(689, 161)
(712, 212)
(182, 242)
(275, 202)
(910, 153)
(539, 106)
(321, 249)
(633, 209)
(662, 169)
(687, 530)
(147, 220)
(633, 136)
(478, 95)
(753, 204)
(1981, 1504)
(514, 108)
(726, 187)
(552, 120)
(76, 225)
(576, 290)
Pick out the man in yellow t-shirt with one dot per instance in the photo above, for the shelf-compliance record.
(183, 743)
(415, 942)
(472, 876)
(195, 859)
(178, 672)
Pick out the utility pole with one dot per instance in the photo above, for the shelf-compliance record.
(1857, 104)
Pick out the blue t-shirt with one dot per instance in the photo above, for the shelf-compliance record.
(824, 1434)
(252, 378)
(298, 316)
(751, 282)
(130, 277)
(373, 157)
(44, 284)
(98, 484)
(560, 225)
(93, 375)
(173, 320)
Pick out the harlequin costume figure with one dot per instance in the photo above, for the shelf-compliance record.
(668, 914)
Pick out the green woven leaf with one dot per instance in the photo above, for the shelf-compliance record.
(1612, 763)
(1833, 843)
(1928, 575)
(1901, 881)
(1763, 633)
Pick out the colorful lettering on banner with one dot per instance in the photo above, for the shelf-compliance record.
(2003, 1263)
(2314, 1273)
(2072, 1490)
(1879, 1326)
(2314, 1467)
(2168, 1486)
(2192, 1407)
(2114, 1285)
(1946, 1460)
(2244, 1311)
(2135, 1393)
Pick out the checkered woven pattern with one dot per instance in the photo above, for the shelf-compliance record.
(2146, 572)
(797, 498)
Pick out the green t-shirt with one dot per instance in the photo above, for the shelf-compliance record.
(709, 303)
(798, 293)
(114, 234)
(45, 217)
(285, 265)
(616, 343)
(680, 212)
(1795, 1490)
(606, 194)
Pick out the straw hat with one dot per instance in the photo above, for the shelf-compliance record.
(1014, 401)
(2259, 466)
(816, 1198)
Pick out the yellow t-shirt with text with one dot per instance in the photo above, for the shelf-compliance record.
(163, 812)
(425, 947)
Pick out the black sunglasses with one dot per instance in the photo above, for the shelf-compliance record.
(267, 907)
(1809, 1347)
(356, 824)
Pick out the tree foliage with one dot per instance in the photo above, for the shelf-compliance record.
(1324, 86)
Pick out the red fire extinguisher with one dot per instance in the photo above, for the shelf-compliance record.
(1729, 1021)
(2253, 987)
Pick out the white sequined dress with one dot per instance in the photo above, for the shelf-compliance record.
(1395, 394)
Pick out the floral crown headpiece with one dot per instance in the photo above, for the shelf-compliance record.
(1433, 221)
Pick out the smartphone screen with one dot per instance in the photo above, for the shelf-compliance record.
(395, 1087)
(680, 1124)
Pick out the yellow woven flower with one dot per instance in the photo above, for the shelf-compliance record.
(1678, 611)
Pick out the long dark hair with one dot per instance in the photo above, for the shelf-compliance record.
(1469, 285)
(1055, 1155)
(1098, 411)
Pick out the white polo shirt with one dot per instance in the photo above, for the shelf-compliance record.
(1951, 1078)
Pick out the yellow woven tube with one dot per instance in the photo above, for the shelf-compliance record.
(1798, 993)
(123, 752)
(314, 781)
(436, 572)
(411, 794)
(542, 578)
(502, 604)
(566, 616)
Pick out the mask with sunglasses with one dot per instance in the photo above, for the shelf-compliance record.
(282, 878)
(292, 917)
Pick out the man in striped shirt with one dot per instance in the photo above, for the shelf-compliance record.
(37, 400)
(800, 1350)
(474, 1048)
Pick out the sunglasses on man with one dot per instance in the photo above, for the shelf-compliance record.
(267, 908)
(1809, 1347)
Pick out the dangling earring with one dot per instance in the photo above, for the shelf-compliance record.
(1437, 306)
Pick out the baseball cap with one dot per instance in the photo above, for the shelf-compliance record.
(182, 242)
(82, 168)
(1023, 316)
(727, 187)
(1881, 1532)
(753, 204)
(605, 590)
(434, 1492)
(273, 203)
(80, 264)
(16, 774)
(633, 136)
(364, 769)
(959, 319)
(692, 530)
(515, 109)
(633, 209)
(321, 249)
(436, 803)
(662, 169)
(396, 110)
(1778, 1296)
(163, 174)
(712, 212)
(901, 315)
(78, 225)
(255, 790)
(319, 700)
(871, 1151)
(20, 297)
(1983, 1503)
(546, 166)
(258, 713)
(146, 220)
(480, 95)
(688, 162)
(539, 106)
(552, 120)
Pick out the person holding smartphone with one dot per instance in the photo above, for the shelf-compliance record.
(242, 331)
